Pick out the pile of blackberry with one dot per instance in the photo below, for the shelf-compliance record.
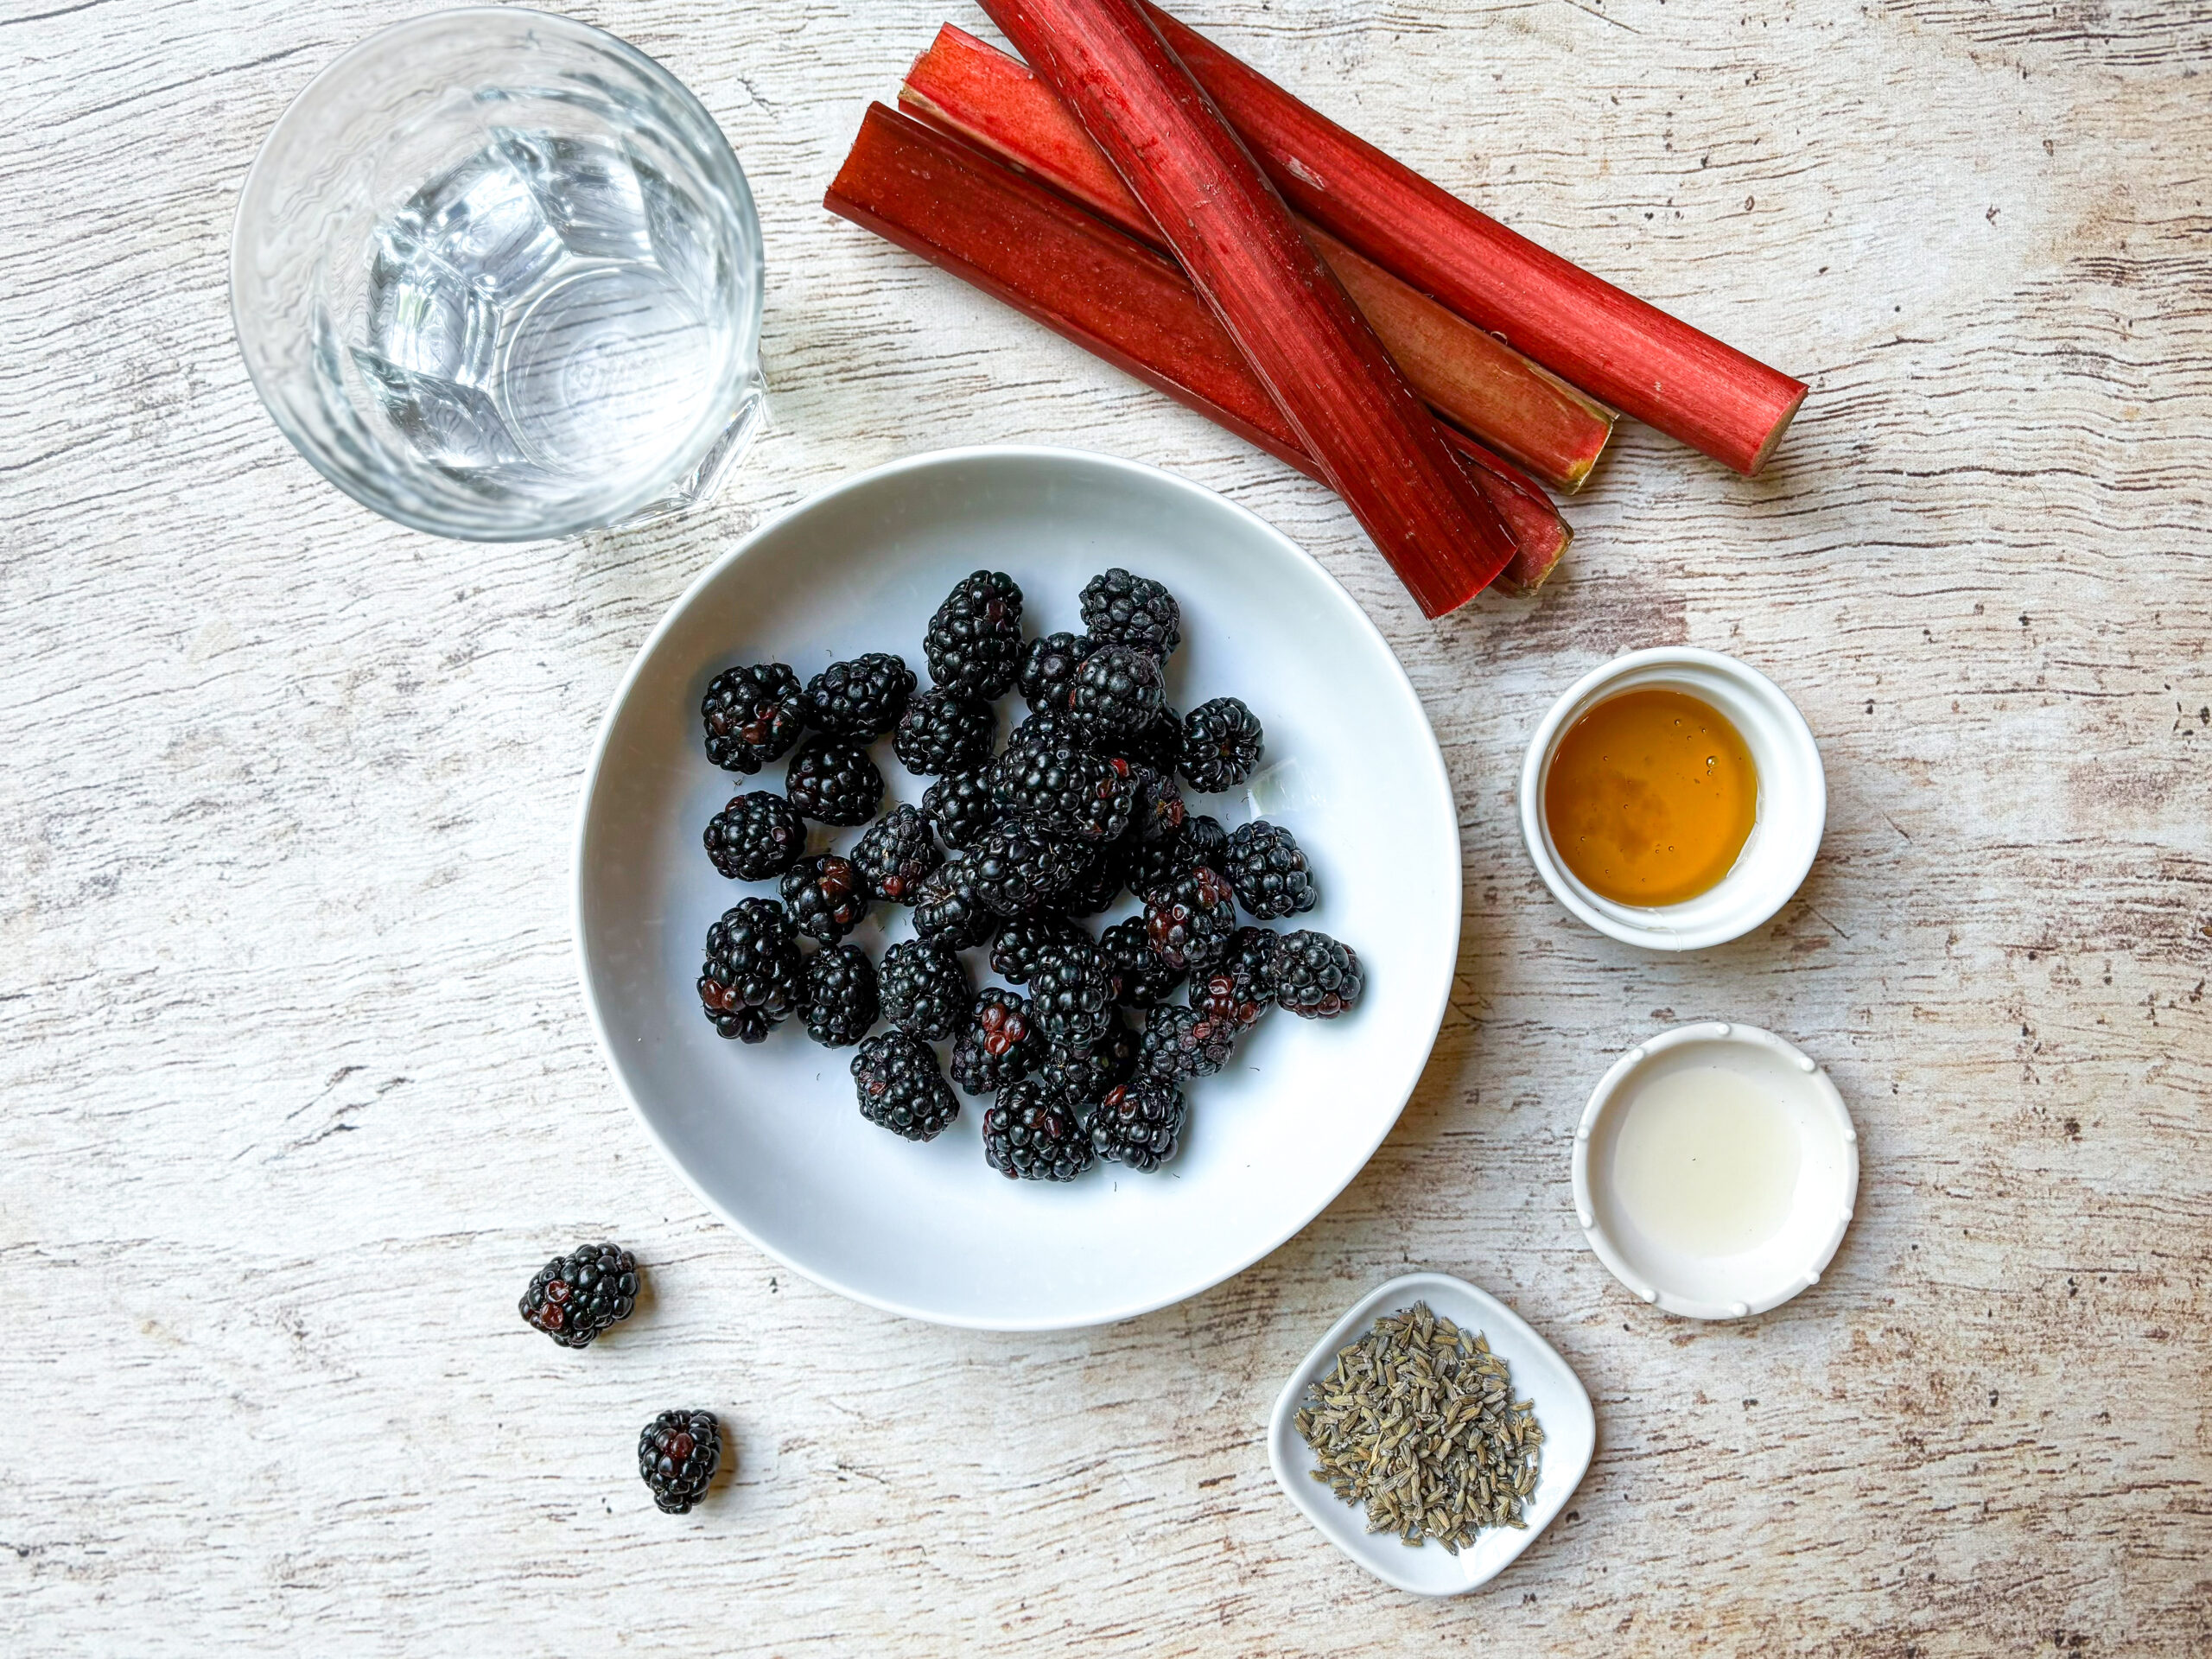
(1008, 849)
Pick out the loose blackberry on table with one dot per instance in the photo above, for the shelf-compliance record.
(997, 1043)
(896, 855)
(900, 1087)
(924, 989)
(1131, 610)
(960, 808)
(1032, 1135)
(749, 982)
(1070, 993)
(1118, 692)
(1221, 741)
(973, 643)
(838, 998)
(943, 732)
(1269, 872)
(677, 1454)
(574, 1299)
(1081, 1076)
(1142, 978)
(753, 715)
(1021, 940)
(1191, 919)
(1048, 666)
(833, 781)
(859, 699)
(756, 837)
(1315, 977)
(1138, 1123)
(826, 897)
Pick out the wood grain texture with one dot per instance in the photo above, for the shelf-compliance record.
(299, 1089)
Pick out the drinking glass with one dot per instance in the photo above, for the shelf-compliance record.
(497, 275)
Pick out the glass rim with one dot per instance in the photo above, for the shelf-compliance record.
(718, 158)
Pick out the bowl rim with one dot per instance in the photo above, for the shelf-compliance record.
(1430, 756)
(1617, 921)
(1604, 1097)
(1573, 1395)
(715, 419)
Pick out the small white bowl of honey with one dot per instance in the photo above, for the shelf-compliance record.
(1673, 798)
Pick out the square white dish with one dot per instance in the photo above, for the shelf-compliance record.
(1539, 1375)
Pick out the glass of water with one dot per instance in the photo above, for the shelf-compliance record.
(497, 275)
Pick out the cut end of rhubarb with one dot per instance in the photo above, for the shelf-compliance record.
(1774, 439)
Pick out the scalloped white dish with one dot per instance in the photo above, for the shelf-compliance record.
(771, 1136)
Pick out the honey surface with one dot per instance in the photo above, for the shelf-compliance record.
(1651, 795)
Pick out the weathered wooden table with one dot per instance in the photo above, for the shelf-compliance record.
(299, 1090)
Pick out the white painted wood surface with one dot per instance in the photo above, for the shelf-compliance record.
(298, 1090)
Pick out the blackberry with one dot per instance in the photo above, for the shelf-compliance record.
(960, 808)
(677, 1454)
(1180, 1043)
(838, 999)
(1071, 994)
(1201, 842)
(1099, 882)
(1229, 999)
(834, 782)
(1118, 692)
(1190, 919)
(1138, 1123)
(997, 1042)
(861, 699)
(1066, 792)
(1269, 872)
(1016, 868)
(1126, 610)
(1314, 976)
(924, 989)
(973, 643)
(749, 982)
(1156, 808)
(1051, 729)
(1142, 977)
(757, 837)
(1247, 961)
(1032, 1135)
(574, 1298)
(1081, 1076)
(943, 732)
(753, 714)
(1048, 666)
(949, 910)
(900, 1086)
(1222, 741)
(826, 897)
(1015, 951)
(896, 855)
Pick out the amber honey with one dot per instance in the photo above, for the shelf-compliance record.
(1650, 798)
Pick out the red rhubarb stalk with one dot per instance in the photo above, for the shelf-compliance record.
(970, 87)
(1354, 413)
(937, 197)
(1608, 342)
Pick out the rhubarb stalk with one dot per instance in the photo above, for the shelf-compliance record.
(969, 87)
(939, 197)
(1373, 439)
(1613, 345)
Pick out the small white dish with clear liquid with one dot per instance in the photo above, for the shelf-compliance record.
(1715, 1170)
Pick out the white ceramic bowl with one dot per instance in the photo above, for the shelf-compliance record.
(770, 1136)
(1749, 1281)
(1539, 1375)
(1793, 802)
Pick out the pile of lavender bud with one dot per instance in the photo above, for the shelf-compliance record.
(1086, 1046)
